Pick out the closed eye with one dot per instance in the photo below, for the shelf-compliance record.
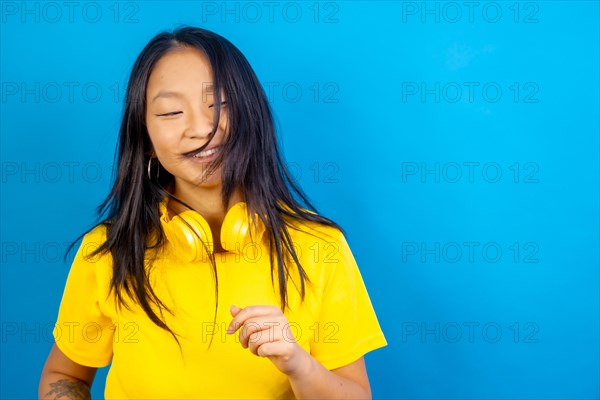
(222, 103)
(169, 114)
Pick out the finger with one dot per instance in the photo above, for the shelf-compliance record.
(234, 310)
(256, 328)
(250, 312)
(267, 349)
(261, 338)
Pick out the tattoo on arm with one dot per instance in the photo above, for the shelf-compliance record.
(66, 389)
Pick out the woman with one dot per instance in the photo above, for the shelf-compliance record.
(273, 307)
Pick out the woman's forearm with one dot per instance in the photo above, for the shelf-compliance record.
(317, 382)
(57, 386)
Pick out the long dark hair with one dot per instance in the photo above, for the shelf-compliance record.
(250, 160)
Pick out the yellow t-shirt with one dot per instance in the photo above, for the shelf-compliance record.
(336, 322)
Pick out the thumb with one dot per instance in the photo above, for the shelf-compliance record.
(234, 310)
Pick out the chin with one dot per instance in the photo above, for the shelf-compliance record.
(212, 181)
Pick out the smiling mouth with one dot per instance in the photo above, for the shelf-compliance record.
(204, 153)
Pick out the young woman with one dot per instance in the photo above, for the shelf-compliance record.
(211, 275)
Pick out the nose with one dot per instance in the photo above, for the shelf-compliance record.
(198, 126)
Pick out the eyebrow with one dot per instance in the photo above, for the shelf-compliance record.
(209, 88)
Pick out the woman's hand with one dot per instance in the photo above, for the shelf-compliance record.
(266, 332)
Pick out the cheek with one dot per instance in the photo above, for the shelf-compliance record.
(161, 139)
(223, 122)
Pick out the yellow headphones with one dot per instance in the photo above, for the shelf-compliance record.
(191, 237)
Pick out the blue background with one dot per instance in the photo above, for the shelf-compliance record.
(369, 125)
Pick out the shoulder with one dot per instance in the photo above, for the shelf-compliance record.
(98, 233)
(305, 232)
(95, 237)
(90, 252)
(322, 249)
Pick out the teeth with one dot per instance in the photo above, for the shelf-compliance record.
(206, 153)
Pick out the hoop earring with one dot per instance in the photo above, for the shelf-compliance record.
(149, 164)
(150, 167)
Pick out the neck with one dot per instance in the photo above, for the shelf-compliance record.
(205, 200)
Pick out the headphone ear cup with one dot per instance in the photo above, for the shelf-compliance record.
(190, 235)
(237, 230)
